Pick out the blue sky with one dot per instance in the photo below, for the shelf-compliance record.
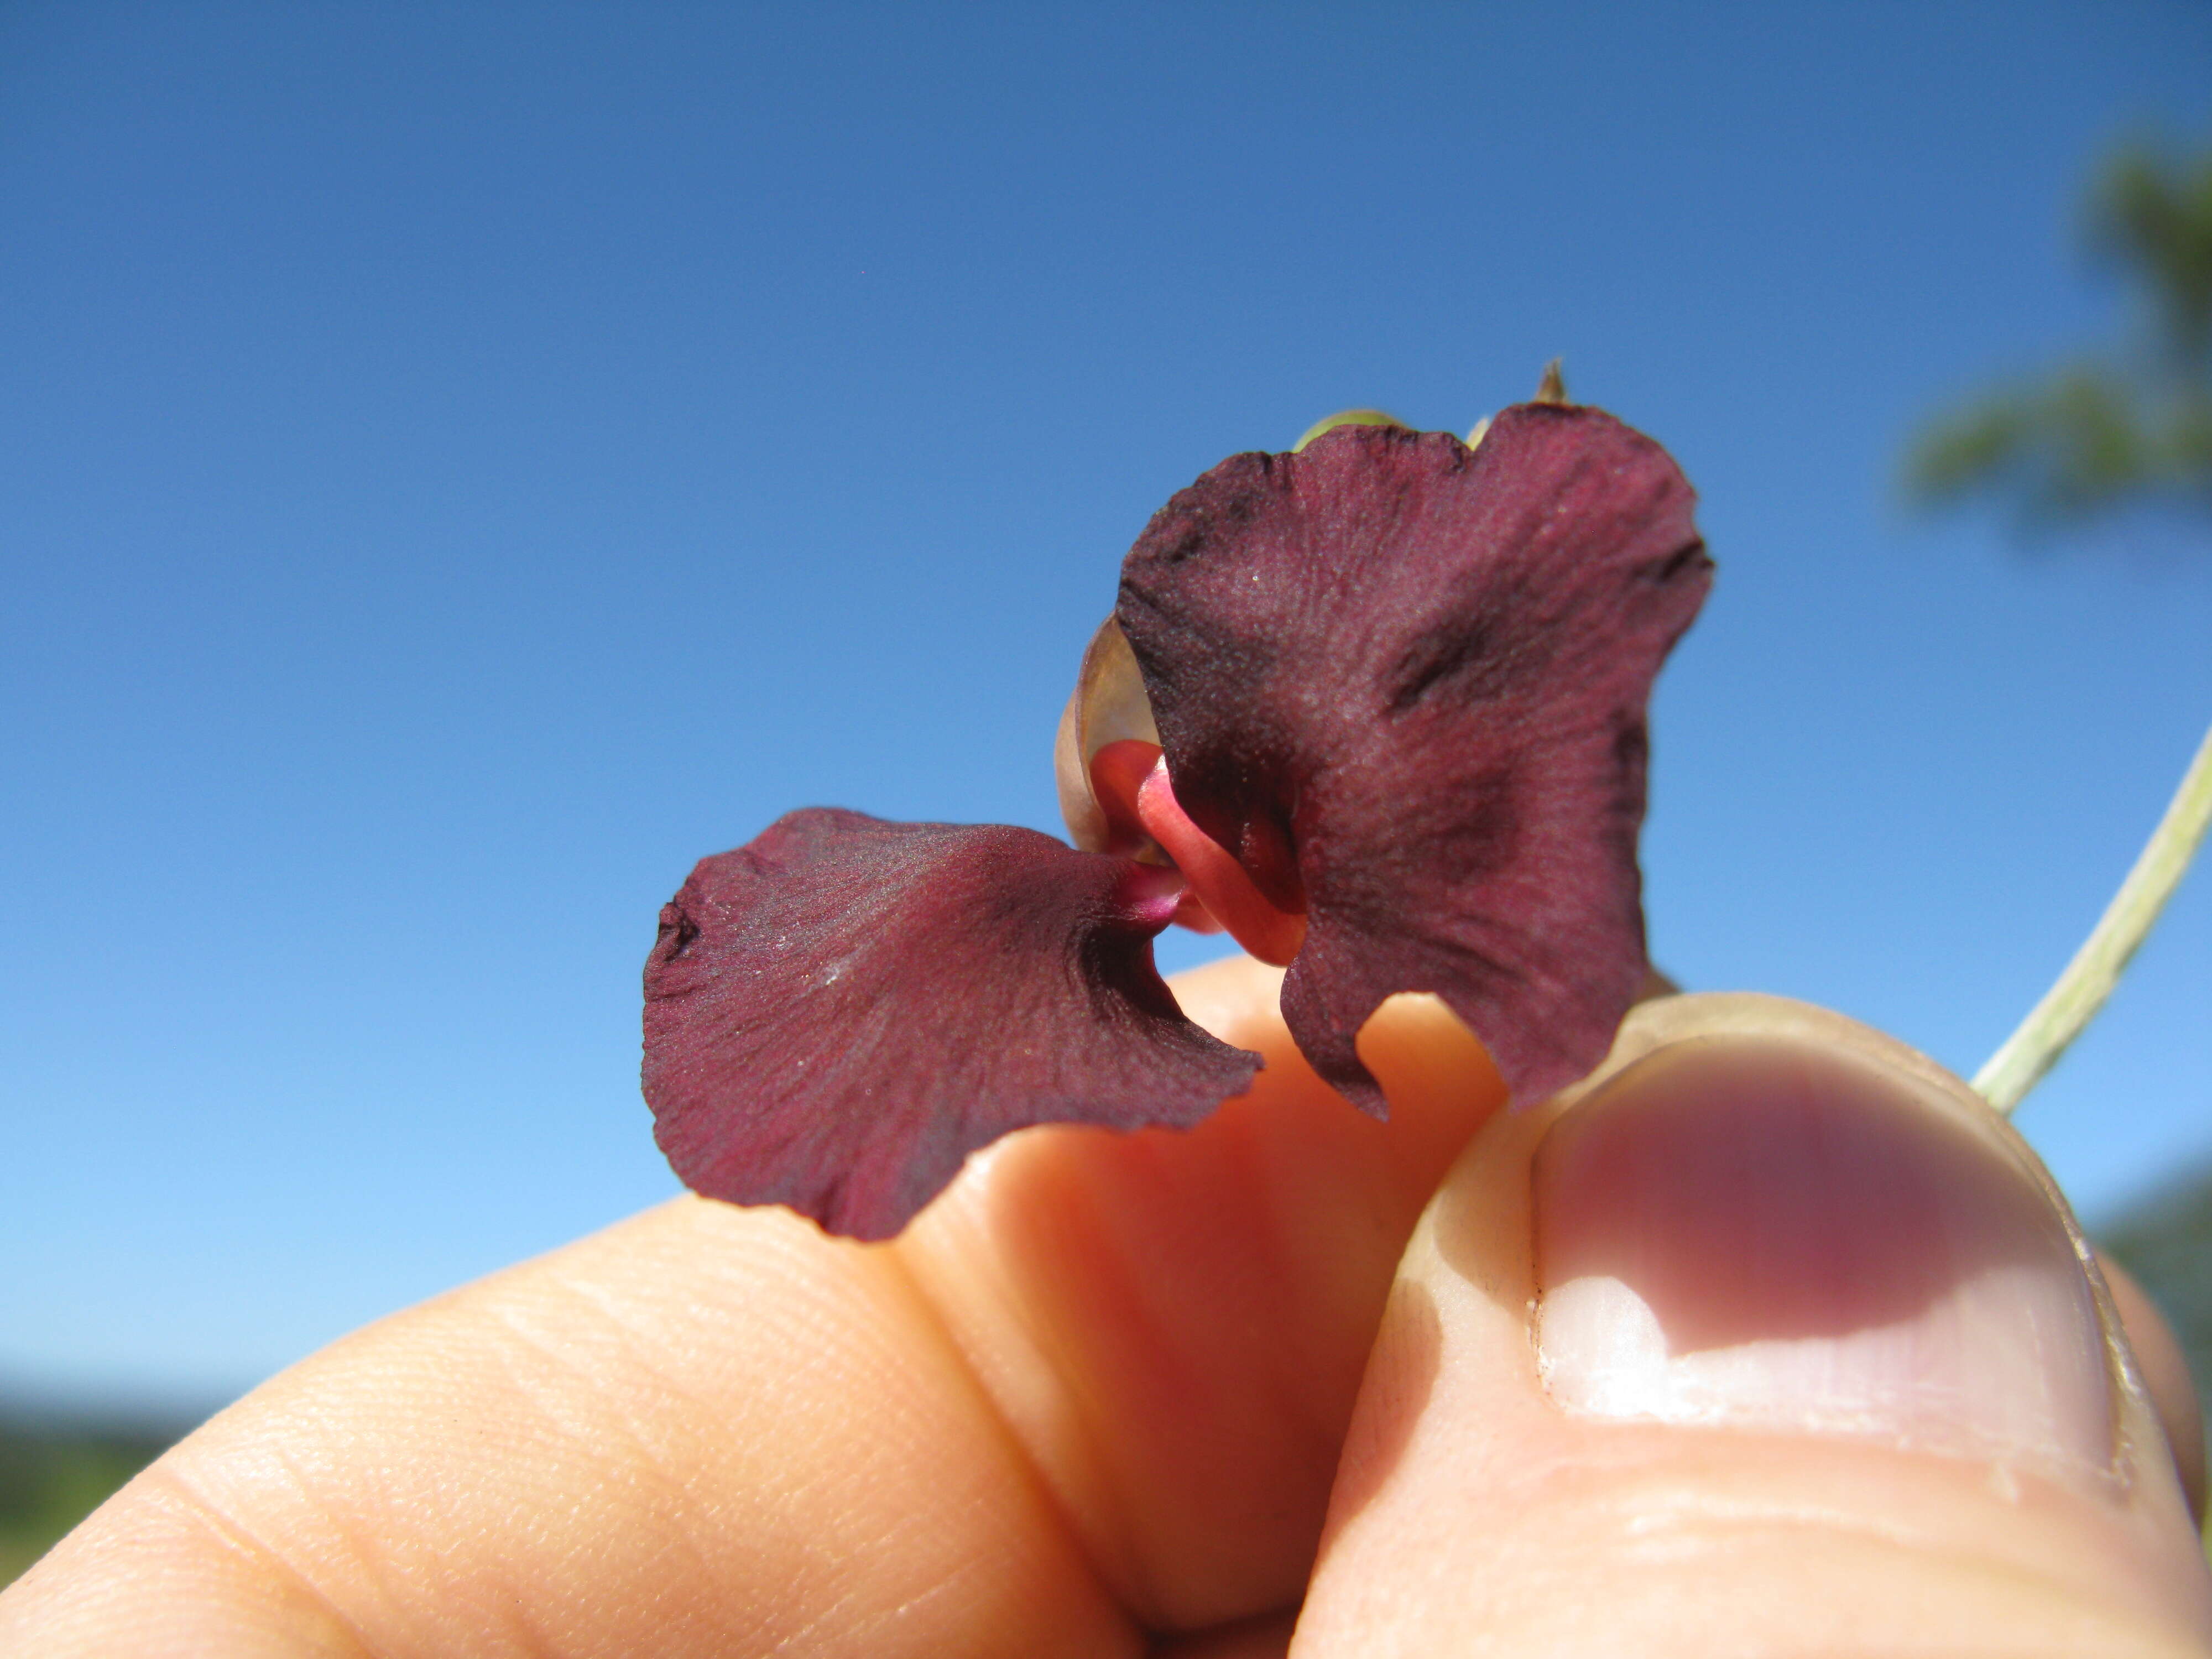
(460, 463)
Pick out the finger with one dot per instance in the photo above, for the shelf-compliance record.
(706, 1431)
(1174, 1325)
(1771, 1338)
(1268, 1636)
(1029, 1427)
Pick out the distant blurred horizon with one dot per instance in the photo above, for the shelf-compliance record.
(459, 469)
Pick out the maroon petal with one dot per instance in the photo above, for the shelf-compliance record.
(1404, 682)
(841, 1011)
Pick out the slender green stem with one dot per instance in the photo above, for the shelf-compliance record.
(2073, 1002)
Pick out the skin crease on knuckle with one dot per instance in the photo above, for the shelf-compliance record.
(715, 1426)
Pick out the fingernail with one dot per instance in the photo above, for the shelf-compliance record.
(1763, 1232)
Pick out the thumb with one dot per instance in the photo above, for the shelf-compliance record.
(1769, 1338)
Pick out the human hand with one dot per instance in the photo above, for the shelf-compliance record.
(1106, 1394)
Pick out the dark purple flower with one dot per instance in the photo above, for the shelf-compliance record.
(1378, 706)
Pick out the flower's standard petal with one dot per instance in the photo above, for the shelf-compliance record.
(838, 1012)
(1404, 682)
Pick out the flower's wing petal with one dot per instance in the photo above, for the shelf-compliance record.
(1404, 682)
(838, 1012)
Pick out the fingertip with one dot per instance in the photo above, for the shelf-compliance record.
(1787, 1346)
(1175, 1323)
(1235, 998)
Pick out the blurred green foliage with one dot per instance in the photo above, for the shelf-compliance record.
(2132, 425)
(52, 1476)
(2167, 1243)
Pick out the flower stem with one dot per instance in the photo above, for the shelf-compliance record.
(2069, 1004)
